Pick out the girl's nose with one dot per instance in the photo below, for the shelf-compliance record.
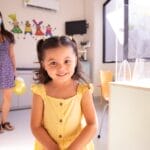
(60, 67)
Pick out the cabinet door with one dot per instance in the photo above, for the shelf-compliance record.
(129, 117)
(25, 100)
(14, 100)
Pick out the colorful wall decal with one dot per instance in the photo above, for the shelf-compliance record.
(38, 32)
(16, 28)
(28, 28)
(49, 30)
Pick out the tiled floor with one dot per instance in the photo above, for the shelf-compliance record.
(21, 138)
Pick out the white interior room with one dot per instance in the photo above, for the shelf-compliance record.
(115, 127)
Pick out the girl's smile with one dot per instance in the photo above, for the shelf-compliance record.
(61, 75)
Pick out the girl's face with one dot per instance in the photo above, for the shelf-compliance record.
(60, 63)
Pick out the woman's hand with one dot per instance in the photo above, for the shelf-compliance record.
(15, 74)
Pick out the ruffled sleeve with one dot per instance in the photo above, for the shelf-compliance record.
(84, 87)
(38, 89)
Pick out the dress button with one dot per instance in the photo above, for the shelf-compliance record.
(60, 104)
(60, 120)
(60, 136)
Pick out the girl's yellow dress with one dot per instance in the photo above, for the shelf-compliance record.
(62, 118)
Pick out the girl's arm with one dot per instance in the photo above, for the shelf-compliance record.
(91, 120)
(37, 127)
(12, 57)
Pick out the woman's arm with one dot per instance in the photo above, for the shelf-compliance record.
(12, 57)
(91, 120)
(37, 127)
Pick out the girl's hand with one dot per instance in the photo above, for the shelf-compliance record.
(74, 147)
(53, 147)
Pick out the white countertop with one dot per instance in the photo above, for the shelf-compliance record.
(143, 83)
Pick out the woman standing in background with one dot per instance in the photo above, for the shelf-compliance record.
(7, 74)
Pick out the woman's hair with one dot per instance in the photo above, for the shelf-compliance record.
(5, 33)
(54, 42)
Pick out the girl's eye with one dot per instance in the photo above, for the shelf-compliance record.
(67, 61)
(52, 63)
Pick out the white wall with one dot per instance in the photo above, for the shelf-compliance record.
(69, 10)
(25, 49)
(93, 13)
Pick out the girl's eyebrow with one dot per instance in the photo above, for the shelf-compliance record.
(51, 59)
(67, 57)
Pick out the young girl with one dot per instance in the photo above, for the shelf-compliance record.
(60, 101)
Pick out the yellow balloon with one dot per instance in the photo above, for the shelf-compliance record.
(20, 86)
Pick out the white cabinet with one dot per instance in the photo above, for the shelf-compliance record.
(24, 100)
(14, 101)
(129, 117)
